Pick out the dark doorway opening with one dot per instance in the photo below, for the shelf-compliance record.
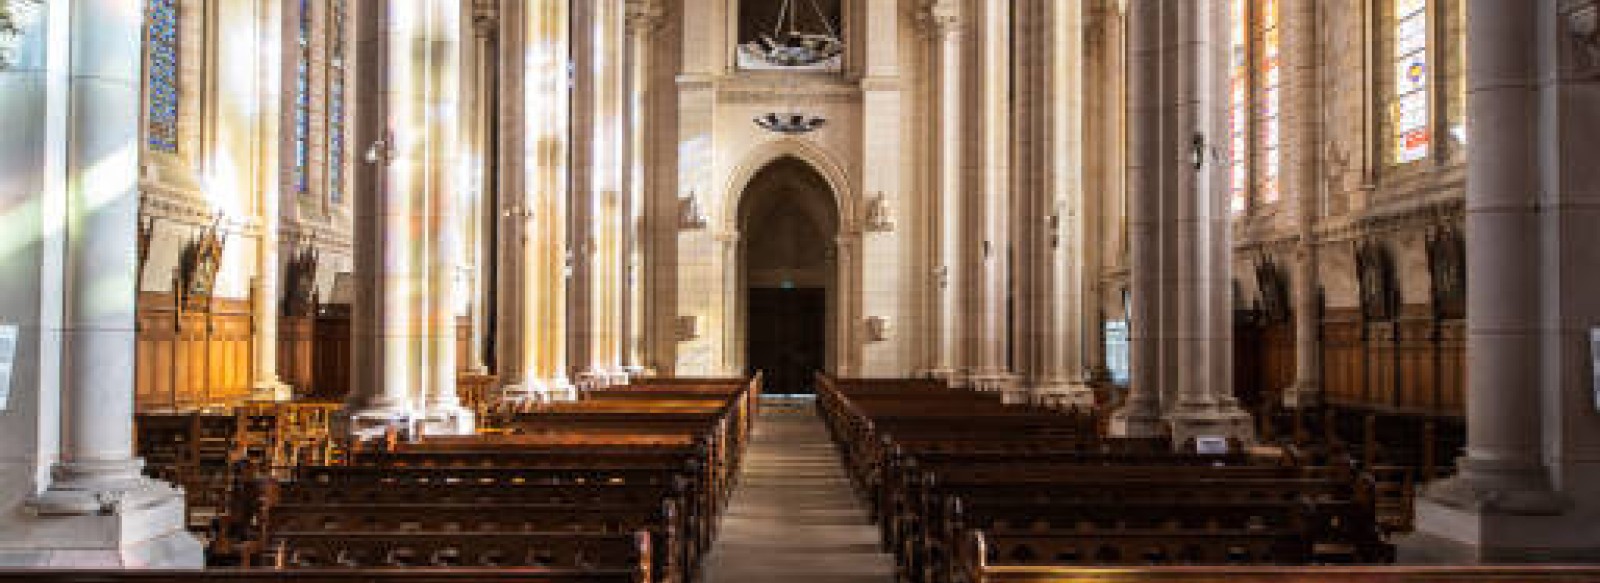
(787, 337)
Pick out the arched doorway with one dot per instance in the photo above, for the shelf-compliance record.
(789, 224)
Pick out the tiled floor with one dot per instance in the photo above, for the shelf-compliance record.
(793, 516)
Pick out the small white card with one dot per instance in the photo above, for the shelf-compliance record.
(1211, 445)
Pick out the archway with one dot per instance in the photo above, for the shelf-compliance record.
(789, 225)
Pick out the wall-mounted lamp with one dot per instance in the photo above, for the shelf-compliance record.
(877, 328)
(381, 151)
(1197, 150)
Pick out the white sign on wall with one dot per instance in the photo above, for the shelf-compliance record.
(8, 359)
(1211, 445)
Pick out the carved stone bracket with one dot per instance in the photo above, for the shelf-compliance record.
(1583, 24)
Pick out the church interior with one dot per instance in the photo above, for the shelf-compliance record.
(716, 291)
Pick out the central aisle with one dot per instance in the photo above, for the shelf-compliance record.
(794, 516)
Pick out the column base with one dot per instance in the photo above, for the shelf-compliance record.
(1008, 385)
(1188, 422)
(111, 522)
(374, 422)
(948, 375)
(1510, 514)
(560, 389)
(448, 420)
(1302, 396)
(1064, 395)
(272, 390)
(1136, 419)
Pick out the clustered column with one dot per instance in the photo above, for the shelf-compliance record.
(945, 19)
(643, 17)
(991, 369)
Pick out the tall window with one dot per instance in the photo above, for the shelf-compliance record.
(302, 99)
(1239, 103)
(162, 100)
(1271, 100)
(336, 74)
(1255, 87)
(1410, 110)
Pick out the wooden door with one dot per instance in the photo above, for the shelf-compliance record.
(787, 337)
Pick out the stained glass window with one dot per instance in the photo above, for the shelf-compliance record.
(1239, 104)
(1410, 111)
(336, 76)
(162, 100)
(302, 99)
(1271, 90)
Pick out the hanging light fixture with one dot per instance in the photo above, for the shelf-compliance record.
(788, 46)
(789, 49)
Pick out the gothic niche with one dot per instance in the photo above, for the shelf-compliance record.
(300, 284)
(1273, 283)
(1380, 292)
(1447, 271)
(196, 276)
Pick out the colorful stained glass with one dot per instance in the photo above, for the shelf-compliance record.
(302, 100)
(1271, 99)
(1411, 110)
(161, 28)
(1239, 118)
(336, 73)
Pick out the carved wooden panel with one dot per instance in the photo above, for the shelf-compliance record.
(1343, 355)
(190, 359)
(296, 346)
(331, 354)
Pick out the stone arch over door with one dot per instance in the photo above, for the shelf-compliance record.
(835, 201)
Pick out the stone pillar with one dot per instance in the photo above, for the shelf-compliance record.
(606, 175)
(515, 316)
(1502, 501)
(442, 76)
(262, 97)
(547, 149)
(1300, 162)
(1140, 414)
(1061, 382)
(991, 371)
(643, 17)
(478, 214)
(1203, 403)
(98, 509)
(944, 17)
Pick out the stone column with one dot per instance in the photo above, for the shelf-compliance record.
(373, 402)
(991, 371)
(944, 17)
(1302, 139)
(440, 65)
(547, 150)
(643, 17)
(98, 509)
(1204, 405)
(260, 97)
(478, 214)
(1503, 480)
(1061, 382)
(1140, 414)
(516, 353)
(607, 142)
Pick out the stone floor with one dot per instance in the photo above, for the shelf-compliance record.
(793, 516)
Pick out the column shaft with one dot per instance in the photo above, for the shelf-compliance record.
(1300, 164)
(992, 369)
(950, 277)
(1139, 414)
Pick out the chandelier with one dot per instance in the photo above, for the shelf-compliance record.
(787, 46)
(789, 49)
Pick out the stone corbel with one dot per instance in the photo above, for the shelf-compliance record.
(879, 218)
(878, 329)
(690, 216)
(687, 328)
